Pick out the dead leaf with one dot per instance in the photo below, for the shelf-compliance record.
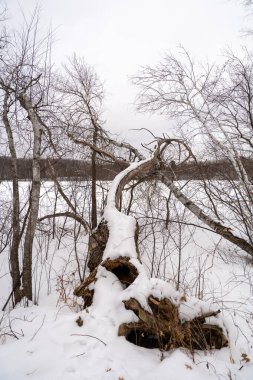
(245, 358)
(79, 321)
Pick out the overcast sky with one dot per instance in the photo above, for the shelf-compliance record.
(117, 36)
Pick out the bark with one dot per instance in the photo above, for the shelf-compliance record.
(34, 197)
(14, 249)
(97, 244)
(85, 291)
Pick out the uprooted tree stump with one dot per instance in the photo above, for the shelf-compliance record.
(162, 328)
(157, 321)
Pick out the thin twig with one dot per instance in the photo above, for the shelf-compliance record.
(38, 328)
(90, 336)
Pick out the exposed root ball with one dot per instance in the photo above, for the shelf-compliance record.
(163, 329)
(160, 326)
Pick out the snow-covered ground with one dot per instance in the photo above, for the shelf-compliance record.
(45, 342)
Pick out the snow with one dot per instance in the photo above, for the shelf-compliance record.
(48, 349)
(122, 227)
(44, 342)
(54, 347)
(121, 238)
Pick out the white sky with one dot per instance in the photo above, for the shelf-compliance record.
(117, 36)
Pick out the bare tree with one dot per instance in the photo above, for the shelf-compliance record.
(35, 195)
(25, 75)
(14, 250)
(82, 97)
(212, 105)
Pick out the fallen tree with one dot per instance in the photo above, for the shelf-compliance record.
(159, 316)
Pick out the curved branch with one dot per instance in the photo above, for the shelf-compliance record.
(68, 214)
(100, 151)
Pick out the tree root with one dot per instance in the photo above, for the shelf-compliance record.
(162, 328)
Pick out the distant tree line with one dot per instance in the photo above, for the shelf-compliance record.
(63, 168)
(68, 169)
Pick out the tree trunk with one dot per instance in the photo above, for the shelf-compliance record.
(93, 183)
(34, 196)
(14, 250)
